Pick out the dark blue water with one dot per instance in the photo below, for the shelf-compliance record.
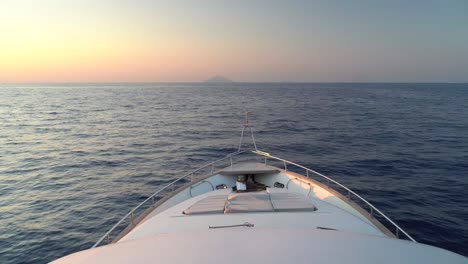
(75, 158)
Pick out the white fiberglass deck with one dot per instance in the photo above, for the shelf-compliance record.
(266, 245)
(173, 220)
(299, 221)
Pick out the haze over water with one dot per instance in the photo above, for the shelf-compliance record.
(76, 158)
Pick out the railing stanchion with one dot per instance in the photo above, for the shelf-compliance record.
(131, 218)
(265, 160)
(397, 232)
(108, 238)
(372, 212)
(349, 195)
(307, 173)
(152, 198)
(230, 158)
(328, 183)
(285, 167)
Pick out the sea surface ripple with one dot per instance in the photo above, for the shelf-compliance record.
(75, 158)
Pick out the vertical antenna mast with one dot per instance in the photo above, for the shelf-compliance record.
(246, 125)
(246, 119)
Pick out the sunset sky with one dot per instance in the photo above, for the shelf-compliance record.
(184, 41)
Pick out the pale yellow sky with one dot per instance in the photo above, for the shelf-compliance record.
(144, 41)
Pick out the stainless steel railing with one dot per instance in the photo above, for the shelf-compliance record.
(131, 215)
(373, 209)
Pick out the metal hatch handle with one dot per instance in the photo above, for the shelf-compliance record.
(247, 224)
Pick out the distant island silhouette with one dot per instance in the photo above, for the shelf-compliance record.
(219, 79)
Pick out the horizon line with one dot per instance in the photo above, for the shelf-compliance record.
(237, 82)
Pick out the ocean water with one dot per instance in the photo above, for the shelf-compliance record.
(75, 158)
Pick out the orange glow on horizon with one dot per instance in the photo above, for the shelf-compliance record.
(190, 41)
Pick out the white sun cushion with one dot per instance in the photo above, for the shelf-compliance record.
(290, 201)
(209, 205)
(248, 202)
(272, 200)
